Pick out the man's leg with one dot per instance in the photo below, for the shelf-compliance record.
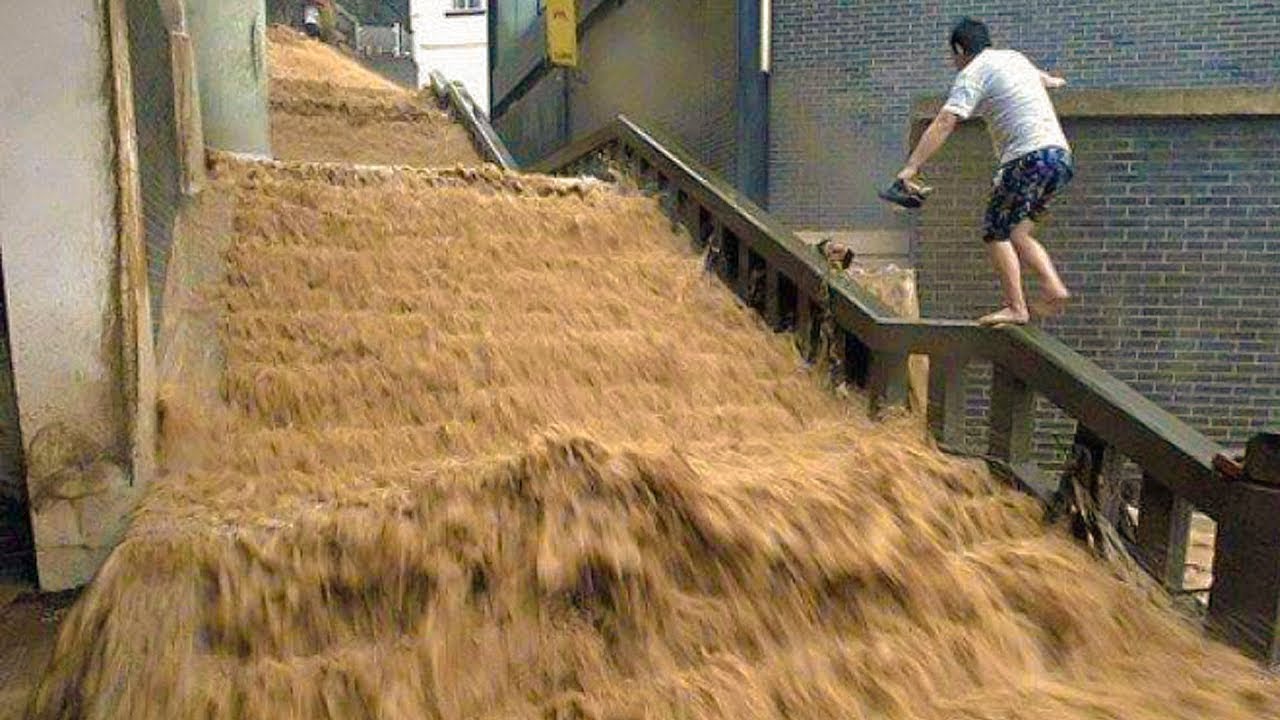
(1054, 293)
(1005, 260)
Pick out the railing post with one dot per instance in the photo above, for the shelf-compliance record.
(772, 297)
(1244, 604)
(1164, 525)
(1012, 418)
(716, 258)
(806, 331)
(742, 283)
(947, 399)
(689, 215)
(1105, 479)
(886, 380)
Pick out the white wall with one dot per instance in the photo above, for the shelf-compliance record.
(455, 44)
(58, 243)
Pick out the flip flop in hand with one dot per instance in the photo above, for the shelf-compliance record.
(906, 194)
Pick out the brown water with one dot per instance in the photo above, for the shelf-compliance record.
(477, 445)
(326, 106)
(494, 446)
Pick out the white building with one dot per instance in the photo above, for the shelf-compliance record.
(452, 36)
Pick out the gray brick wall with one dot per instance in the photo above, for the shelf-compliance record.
(845, 73)
(1170, 238)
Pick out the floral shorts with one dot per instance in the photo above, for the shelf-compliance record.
(1023, 188)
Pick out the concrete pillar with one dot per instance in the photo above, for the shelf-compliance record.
(61, 273)
(231, 65)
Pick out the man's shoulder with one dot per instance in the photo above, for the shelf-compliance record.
(1004, 58)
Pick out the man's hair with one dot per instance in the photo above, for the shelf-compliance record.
(970, 37)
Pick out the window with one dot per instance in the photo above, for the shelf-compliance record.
(464, 7)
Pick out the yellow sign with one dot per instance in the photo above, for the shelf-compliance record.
(562, 32)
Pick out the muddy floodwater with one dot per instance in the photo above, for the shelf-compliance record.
(464, 444)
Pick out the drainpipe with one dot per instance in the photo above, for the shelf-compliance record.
(231, 66)
(752, 136)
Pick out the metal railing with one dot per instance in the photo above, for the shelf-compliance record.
(792, 288)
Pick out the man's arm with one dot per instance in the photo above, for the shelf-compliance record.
(932, 141)
(1051, 81)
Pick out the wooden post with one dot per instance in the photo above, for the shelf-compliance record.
(805, 329)
(838, 352)
(1164, 524)
(742, 283)
(772, 297)
(1262, 459)
(1105, 477)
(716, 257)
(1244, 604)
(947, 399)
(137, 352)
(1012, 418)
(886, 381)
(691, 217)
(1012, 422)
(186, 111)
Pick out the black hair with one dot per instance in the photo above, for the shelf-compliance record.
(970, 37)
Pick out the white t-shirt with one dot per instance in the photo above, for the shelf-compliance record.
(311, 15)
(1006, 89)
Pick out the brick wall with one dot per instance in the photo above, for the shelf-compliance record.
(845, 73)
(1170, 238)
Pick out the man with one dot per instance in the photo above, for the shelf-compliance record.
(1035, 161)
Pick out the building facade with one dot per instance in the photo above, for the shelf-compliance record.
(452, 36)
(1169, 235)
(667, 63)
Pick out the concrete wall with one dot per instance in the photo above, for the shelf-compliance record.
(229, 37)
(58, 242)
(158, 162)
(845, 74)
(399, 70)
(453, 41)
(1170, 237)
(536, 125)
(670, 64)
(678, 75)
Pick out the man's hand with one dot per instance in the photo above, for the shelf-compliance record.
(908, 173)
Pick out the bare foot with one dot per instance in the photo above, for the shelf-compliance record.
(1051, 304)
(1005, 316)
